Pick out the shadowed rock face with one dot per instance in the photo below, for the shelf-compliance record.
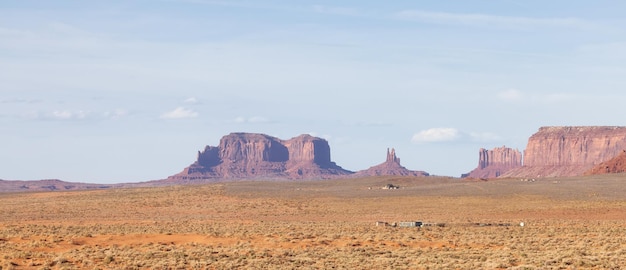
(259, 156)
(569, 151)
(391, 166)
(495, 162)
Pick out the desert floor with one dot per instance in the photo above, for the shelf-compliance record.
(570, 223)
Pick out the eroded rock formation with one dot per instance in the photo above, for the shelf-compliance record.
(569, 151)
(391, 166)
(250, 155)
(495, 162)
(614, 165)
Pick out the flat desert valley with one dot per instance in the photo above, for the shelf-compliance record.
(569, 223)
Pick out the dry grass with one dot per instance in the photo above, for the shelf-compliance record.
(571, 223)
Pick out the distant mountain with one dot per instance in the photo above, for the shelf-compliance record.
(46, 185)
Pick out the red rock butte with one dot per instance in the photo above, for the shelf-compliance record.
(259, 156)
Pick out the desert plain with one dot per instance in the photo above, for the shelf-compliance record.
(569, 223)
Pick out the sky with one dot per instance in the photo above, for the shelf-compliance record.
(129, 90)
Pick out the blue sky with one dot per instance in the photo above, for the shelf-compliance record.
(125, 91)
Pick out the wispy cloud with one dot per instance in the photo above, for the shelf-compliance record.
(440, 135)
(179, 113)
(474, 19)
(58, 115)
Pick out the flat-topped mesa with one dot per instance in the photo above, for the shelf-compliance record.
(259, 156)
(569, 151)
(495, 162)
(391, 166)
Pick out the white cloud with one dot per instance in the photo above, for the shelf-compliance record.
(436, 135)
(511, 95)
(179, 113)
(474, 19)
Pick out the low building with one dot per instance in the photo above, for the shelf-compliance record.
(410, 224)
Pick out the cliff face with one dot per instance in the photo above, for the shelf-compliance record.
(249, 155)
(391, 166)
(306, 148)
(495, 162)
(569, 151)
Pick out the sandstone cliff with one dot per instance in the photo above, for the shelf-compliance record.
(259, 156)
(391, 166)
(614, 165)
(569, 151)
(493, 163)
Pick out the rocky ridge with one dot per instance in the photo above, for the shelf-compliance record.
(495, 162)
(391, 166)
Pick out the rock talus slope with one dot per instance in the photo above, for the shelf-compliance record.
(614, 165)
(569, 151)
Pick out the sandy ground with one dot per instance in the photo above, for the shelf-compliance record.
(570, 223)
